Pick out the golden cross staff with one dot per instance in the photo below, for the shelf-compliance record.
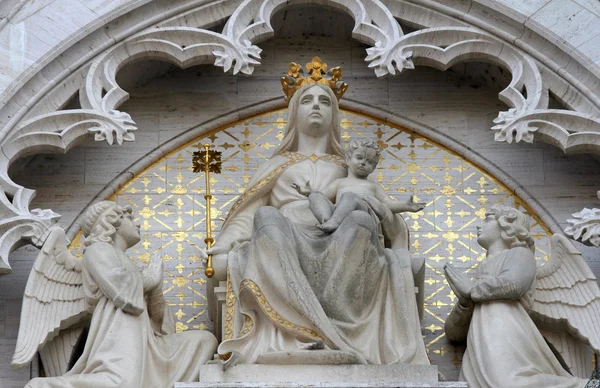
(208, 161)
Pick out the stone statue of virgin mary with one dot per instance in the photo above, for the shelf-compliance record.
(297, 287)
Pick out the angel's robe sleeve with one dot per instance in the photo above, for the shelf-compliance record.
(119, 284)
(161, 316)
(457, 323)
(512, 281)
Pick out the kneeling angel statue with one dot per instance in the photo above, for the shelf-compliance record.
(100, 321)
(525, 326)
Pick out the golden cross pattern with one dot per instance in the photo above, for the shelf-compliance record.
(168, 201)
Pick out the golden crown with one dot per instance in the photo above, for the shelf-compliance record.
(317, 74)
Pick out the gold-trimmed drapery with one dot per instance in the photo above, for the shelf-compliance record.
(167, 199)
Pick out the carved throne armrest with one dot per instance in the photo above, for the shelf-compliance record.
(418, 269)
(216, 296)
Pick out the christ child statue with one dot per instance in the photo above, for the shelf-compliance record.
(354, 192)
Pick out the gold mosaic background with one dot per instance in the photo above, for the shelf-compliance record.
(168, 201)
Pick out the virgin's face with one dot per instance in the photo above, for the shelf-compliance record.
(489, 231)
(315, 112)
(129, 229)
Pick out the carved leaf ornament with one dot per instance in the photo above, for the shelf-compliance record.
(585, 227)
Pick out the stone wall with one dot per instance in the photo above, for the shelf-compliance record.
(460, 103)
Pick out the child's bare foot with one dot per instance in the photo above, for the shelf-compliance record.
(329, 226)
(317, 345)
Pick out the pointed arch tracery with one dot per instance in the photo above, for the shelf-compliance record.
(180, 41)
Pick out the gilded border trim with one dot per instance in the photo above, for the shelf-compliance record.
(293, 158)
(264, 304)
(229, 318)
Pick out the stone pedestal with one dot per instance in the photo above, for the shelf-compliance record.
(331, 376)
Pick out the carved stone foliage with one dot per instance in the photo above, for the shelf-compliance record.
(99, 96)
(374, 25)
(391, 52)
(18, 224)
(527, 93)
(573, 132)
(585, 226)
(184, 46)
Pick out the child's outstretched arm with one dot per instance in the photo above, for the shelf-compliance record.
(399, 206)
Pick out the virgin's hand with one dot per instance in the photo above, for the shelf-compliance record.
(304, 190)
(219, 261)
(215, 251)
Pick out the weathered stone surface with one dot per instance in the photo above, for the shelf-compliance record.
(331, 375)
(450, 102)
(322, 385)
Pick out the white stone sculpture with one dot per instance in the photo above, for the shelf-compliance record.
(298, 287)
(585, 226)
(131, 340)
(354, 192)
(501, 312)
(32, 121)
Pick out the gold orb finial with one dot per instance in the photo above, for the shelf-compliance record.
(317, 73)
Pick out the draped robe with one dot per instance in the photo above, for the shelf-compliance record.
(504, 346)
(131, 341)
(295, 284)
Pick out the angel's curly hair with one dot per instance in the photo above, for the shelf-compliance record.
(101, 221)
(514, 226)
(355, 144)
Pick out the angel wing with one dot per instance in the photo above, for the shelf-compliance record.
(54, 301)
(567, 299)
